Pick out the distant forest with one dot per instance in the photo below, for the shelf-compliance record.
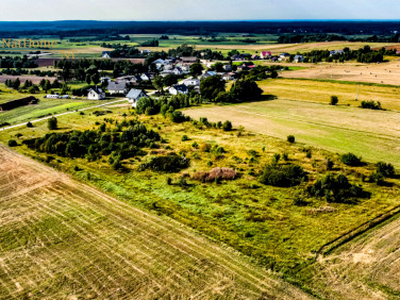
(290, 31)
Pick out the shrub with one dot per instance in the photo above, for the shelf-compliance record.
(336, 189)
(205, 147)
(195, 145)
(227, 126)
(308, 153)
(386, 169)
(378, 178)
(170, 163)
(52, 123)
(215, 175)
(282, 176)
(169, 181)
(285, 156)
(12, 143)
(29, 125)
(334, 100)
(351, 159)
(371, 105)
(184, 138)
(329, 164)
(276, 158)
(291, 139)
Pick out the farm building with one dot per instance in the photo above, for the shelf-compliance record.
(191, 82)
(17, 103)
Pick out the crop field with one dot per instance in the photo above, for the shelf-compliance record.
(374, 135)
(62, 239)
(384, 73)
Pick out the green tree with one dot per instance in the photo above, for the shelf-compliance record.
(334, 100)
(158, 83)
(245, 90)
(52, 123)
(196, 69)
(211, 86)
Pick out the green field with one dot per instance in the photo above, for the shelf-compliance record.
(372, 134)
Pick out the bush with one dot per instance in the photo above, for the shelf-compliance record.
(282, 176)
(336, 189)
(12, 143)
(52, 123)
(227, 126)
(184, 138)
(334, 100)
(371, 105)
(351, 160)
(385, 169)
(171, 163)
(29, 125)
(215, 174)
(291, 139)
(329, 164)
(169, 181)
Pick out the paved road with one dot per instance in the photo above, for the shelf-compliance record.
(63, 114)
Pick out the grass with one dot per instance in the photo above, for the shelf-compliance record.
(259, 221)
(370, 134)
(63, 239)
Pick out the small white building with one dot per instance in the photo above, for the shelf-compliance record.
(145, 77)
(105, 54)
(52, 96)
(96, 93)
(191, 82)
(134, 95)
(298, 58)
(178, 89)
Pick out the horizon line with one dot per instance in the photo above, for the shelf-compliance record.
(210, 20)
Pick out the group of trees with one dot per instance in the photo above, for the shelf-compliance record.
(121, 141)
(329, 37)
(213, 89)
(364, 55)
(17, 62)
(44, 84)
(20, 71)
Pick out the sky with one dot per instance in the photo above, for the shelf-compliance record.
(154, 10)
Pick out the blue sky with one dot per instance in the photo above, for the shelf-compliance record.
(27, 10)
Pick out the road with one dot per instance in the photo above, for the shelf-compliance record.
(63, 114)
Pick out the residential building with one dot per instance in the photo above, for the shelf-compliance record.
(96, 93)
(178, 89)
(134, 95)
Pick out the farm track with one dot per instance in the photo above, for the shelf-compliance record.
(60, 238)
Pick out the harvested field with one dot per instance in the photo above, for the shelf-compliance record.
(63, 239)
(22, 78)
(383, 73)
(366, 268)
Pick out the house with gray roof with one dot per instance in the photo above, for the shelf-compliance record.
(134, 95)
(117, 88)
(178, 89)
(96, 93)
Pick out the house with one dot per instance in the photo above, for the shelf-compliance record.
(227, 68)
(255, 56)
(145, 51)
(117, 88)
(229, 76)
(265, 54)
(134, 95)
(334, 52)
(177, 71)
(189, 59)
(298, 58)
(160, 63)
(105, 79)
(105, 54)
(178, 89)
(65, 97)
(145, 76)
(17, 103)
(284, 56)
(96, 93)
(191, 82)
(249, 64)
(238, 57)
